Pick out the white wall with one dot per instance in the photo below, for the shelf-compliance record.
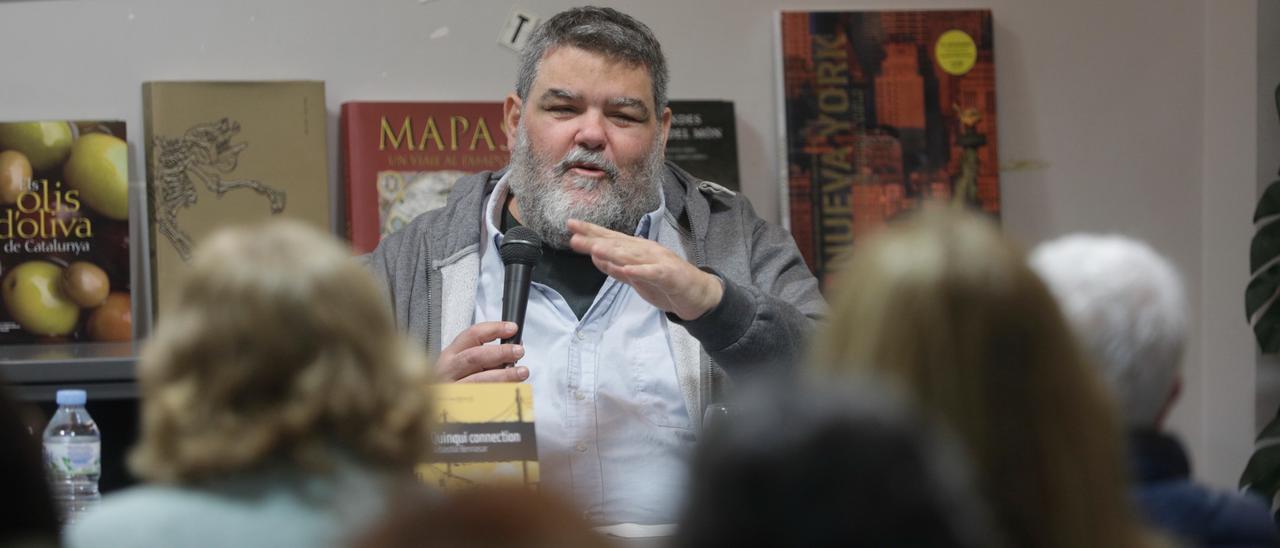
(1133, 115)
(1227, 357)
(1268, 164)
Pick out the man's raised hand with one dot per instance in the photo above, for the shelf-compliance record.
(658, 275)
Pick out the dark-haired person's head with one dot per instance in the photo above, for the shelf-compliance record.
(601, 31)
(829, 464)
(484, 517)
(27, 517)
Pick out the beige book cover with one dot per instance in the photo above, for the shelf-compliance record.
(483, 435)
(224, 153)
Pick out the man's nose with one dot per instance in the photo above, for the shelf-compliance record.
(591, 131)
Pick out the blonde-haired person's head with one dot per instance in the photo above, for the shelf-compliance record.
(941, 302)
(277, 346)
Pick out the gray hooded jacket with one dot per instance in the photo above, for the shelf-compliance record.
(770, 304)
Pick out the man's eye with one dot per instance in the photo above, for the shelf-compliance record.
(561, 109)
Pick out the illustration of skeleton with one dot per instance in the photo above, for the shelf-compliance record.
(205, 154)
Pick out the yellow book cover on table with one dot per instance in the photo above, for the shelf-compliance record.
(484, 434)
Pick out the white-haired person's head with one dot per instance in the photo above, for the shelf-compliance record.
(1128, 307)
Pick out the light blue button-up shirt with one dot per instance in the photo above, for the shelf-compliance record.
(612, 429)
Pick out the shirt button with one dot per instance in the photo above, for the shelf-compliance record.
(578, 395)
(581, 447)
(581, 335)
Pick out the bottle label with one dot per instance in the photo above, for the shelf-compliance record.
(74, 459)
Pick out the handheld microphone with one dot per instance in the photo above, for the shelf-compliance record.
(520, 250)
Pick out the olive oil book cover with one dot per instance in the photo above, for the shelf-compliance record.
(484, 435)
(64, 232)
(402, 159)
(226, 153)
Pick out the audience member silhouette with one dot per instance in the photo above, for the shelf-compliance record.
(484, 517)
(809, 464)
(27, 517)
(1127, 306)
(280, 405)
(944, 305)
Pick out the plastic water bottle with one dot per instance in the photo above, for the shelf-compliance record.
(72, 453)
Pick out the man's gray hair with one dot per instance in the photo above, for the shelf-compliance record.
(605, 31)
(1128, 308)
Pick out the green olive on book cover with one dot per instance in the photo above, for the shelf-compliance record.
(45, 144)
(99, 169)
(32, 292)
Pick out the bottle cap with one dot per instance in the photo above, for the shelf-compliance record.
(71, 397)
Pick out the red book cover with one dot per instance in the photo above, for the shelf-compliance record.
(402, 159)
(883, 110)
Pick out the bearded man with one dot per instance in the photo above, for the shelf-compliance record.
(653, 286)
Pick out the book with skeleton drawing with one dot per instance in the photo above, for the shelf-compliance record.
(402, 159)
(225, 153)
(64, 233)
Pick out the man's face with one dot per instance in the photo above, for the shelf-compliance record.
(588, 144)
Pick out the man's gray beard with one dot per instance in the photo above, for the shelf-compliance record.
(546, 205)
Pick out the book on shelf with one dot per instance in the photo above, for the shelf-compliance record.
(225, 153)
(882, 111)
(484, 435)
(401, 159)
(704, 140)
(64, 232)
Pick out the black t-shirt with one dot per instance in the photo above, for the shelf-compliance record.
(571, 274)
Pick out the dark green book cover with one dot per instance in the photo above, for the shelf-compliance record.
(704, 140)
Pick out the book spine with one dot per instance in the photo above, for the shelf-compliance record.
(149, 96)
(362, 207)
(348, 174)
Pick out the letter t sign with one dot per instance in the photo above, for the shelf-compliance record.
(517, 30)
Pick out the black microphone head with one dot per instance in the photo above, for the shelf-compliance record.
(520, 245)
